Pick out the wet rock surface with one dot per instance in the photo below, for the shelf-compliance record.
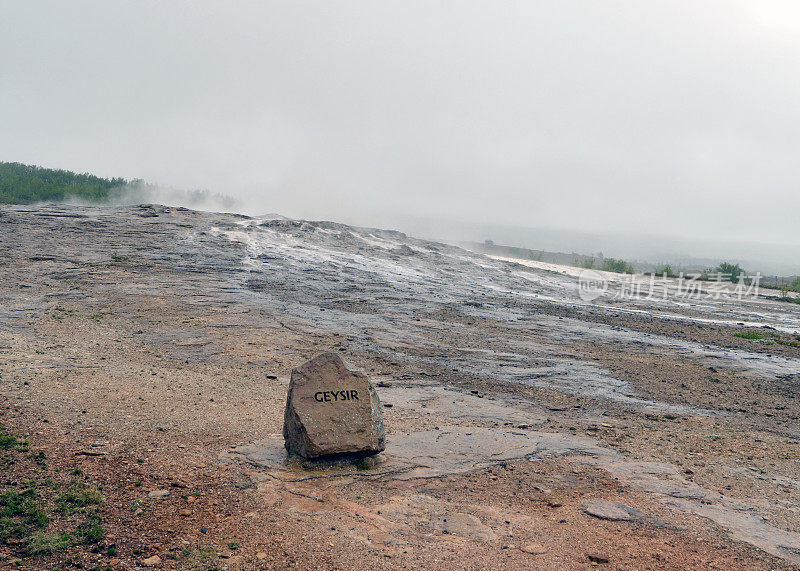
(332, 410)
(137, 343)
(427, 454)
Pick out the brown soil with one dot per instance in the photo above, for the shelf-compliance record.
(140, 373)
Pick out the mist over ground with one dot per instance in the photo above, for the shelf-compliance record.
(139, 192)
(772, 259)
(647, 130)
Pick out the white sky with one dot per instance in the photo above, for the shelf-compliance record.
(674, 118)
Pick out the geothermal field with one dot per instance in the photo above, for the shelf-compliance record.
(145, 357)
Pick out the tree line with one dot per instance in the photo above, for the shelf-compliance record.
(23, 184)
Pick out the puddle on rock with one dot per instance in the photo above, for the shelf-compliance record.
(422, 454)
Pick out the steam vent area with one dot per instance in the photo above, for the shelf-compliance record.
(194, 390)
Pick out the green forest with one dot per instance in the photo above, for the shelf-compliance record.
(23, 184)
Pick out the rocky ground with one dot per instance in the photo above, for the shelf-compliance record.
(145, 354)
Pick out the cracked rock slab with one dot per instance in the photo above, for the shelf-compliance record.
(611, 511)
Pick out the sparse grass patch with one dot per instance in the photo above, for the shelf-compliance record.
(361, 464)
(204, 558)
(20, 515)
(749, 334)
(36, 519)
(77, 497)
(9, 441)
(787, 298)
(41, 543)
(90, 531)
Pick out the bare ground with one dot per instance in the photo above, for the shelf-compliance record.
(147, 347)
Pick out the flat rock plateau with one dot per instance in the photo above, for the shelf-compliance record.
(147, 351)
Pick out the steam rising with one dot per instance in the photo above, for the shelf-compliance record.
(674, 121)
(140, 192)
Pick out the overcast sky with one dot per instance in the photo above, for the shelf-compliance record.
(674, 118)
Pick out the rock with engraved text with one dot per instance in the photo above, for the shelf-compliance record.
(331, 409)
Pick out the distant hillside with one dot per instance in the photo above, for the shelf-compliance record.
(573, 259)
(22, 184)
